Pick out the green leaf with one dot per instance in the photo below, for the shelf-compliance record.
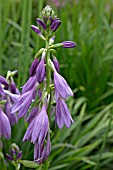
(29, 164)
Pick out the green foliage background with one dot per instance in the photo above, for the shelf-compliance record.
(88, 144)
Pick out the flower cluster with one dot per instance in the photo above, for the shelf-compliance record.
(40, 91)
(14, 153)
(9, 94)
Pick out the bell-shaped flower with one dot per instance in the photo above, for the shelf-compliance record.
(61, 86)
(33, 67)
(23, 103)
(34, 112)
(28, 134)
(63, 115)
(56, 63)
(12, 117)
(5, 128)
(41, 153)
(41, 70)
(41, 126)
(29, 84)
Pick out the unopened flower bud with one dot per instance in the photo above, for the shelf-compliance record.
(69, 44)
(47, 12)
(55, 24)
(41, 23)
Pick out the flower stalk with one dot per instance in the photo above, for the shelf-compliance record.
(54, 90)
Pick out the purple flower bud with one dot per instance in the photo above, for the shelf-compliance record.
(41, 23)
(5, 128)
(62, 114)
(33, 67)
(36, 29)
(12, 151)
(55, 24)
(19, 155)
(41, 126)
(3, 81)
(9, 157)
(61, 86)
(69, 44)
(41, 71)
(56, 63)
(29, 84)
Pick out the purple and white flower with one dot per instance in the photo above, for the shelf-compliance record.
(41, 70)
(33, 67)
(63, 115)
(5, 128)
(61, 86)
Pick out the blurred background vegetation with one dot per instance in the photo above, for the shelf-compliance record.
(88, 69)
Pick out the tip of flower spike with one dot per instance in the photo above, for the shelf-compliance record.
(47, 12)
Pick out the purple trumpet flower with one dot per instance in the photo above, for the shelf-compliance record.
(34, 112)
(38, 127)
(56, 63)
(41, 126)
(12, 117)
(41, 71)
(61, 86)
(23, 103)
(55, 24)
(41, 23)
(36, 29)
(41, 153)
(33, 67)
(28, 134)
(63, 115)
(5, 128)
(29, 84)
(69, 44)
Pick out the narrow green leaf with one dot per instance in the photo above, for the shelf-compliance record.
(29, 164)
